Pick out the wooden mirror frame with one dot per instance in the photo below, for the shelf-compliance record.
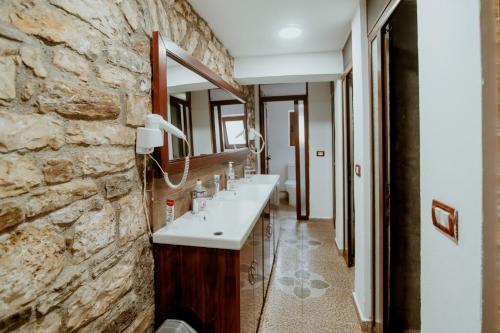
(162, 48)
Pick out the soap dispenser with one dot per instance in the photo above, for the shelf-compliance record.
(199, 197)
(230, 177)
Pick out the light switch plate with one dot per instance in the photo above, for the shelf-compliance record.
(445, 218)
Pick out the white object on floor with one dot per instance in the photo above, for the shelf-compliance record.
(175, 326)
(291, 186)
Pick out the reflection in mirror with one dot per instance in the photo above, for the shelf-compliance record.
(228, 121)
(212, 119)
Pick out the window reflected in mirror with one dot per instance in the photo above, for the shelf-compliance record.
(213, 121)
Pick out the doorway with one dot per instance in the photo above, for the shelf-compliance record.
(296, 137)
(396, 169)
(348, 167)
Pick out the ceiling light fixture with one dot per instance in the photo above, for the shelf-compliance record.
(290, 32)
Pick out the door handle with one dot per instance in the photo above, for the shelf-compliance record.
(250, 275)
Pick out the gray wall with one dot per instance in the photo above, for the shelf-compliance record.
(374, 9)
(347, 52)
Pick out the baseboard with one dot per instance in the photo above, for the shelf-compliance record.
(366, 325)
(320, 219)
(339, 251)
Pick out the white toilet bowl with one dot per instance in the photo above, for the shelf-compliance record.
(290, 185)
(291, 189)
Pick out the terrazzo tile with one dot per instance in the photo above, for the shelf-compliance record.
(311, 286)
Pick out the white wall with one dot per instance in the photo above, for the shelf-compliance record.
(322, 66)
(280, 89)
(278, 139)
(362, 156)
(202, 139)
(452, 170)
(320, 138)
(339, 165)
(451, 162)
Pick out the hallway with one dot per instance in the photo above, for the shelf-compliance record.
(311, 286)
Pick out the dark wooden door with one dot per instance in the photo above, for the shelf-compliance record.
(348, 147)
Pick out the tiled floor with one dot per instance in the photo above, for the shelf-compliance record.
(311, 286)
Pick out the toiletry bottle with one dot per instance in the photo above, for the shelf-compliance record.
(199, 197)
(216, 184)
(230, 177)
(169, 216)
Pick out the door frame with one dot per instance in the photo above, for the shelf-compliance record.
(379, 282)
(333, 86)
(347, 161)
(263, 155)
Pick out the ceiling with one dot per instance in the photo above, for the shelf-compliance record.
(250, 27)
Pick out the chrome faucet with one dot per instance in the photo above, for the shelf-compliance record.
(248, 171)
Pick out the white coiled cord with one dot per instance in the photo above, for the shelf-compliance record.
(184, 175)
(167, 180)
(263, 144)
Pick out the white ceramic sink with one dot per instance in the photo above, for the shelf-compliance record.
(227, 221)
(246, 191)
(263, 179)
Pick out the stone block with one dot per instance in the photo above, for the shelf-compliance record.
(101, 161)
(115, 76)
(97, 133)
(68, 215)
(138, 106)
(132, 221)
(96, 297)
(31, 257)
(58, 170)
(8, 75)
(8, 47)
(104, 16)
(30, 131)
(32, 57)
(42, 20)
(93, 231)
(131, 12)
(117, 186)
(128, 59)
(17, 175)
(51, 323)
(72, 62)
(47, 199)
(78, 101)
(11, 214)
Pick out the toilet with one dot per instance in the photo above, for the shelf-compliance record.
(290, 185)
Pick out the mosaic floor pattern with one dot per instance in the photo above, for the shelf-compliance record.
(311, 286)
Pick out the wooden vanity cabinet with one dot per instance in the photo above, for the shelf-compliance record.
(216, 290)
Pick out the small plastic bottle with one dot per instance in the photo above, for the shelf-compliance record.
(199, 197)
(230, 177)
(170, 214)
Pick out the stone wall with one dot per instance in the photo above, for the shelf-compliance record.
(75, 82)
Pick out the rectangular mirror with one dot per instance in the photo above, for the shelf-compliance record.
(210, 111)
(213, 121)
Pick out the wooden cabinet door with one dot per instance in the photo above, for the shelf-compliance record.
(247, 288)
(258, 261)
(275, 200)
(268, 245)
